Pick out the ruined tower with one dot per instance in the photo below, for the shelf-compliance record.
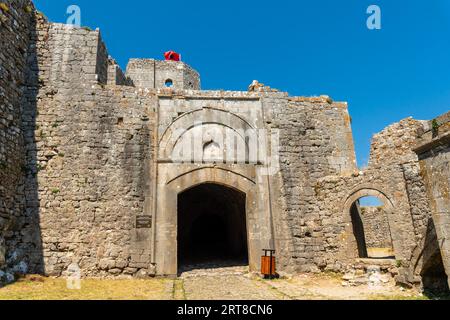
(156, 74)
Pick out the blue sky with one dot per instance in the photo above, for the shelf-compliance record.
(306, 48)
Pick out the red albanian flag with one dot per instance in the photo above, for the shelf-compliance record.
(172, 55)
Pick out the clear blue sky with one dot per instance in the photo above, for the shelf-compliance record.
(309, 47)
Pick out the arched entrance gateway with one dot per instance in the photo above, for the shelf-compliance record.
(212, 227)
(209, 214)
(212, 195)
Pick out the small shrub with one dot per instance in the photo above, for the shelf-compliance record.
(28, 9)
(55, 191)
(435, 126)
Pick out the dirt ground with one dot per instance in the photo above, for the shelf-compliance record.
(215, 284)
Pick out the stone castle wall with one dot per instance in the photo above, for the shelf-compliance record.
(16, 30)
(153, 74)
(90, 142)
(82, 171)
(433, 149)
(116, 75)
(91, 178)
(315, 140)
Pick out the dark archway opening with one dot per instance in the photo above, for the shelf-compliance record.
(212, 229)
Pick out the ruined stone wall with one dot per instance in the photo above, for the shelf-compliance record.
(77, 56)
(433, 148)
(315, 141)
(116, 75)
(392, 176)
(141, 72)
(376, 227)
(16, 30)
(91, 179)
(102, 63)
(87, 149)
(392, 150)
(394, 144)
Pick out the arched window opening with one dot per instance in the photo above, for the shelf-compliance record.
(168, 83)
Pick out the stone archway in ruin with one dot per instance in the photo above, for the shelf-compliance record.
(238, 183)
(356, 242)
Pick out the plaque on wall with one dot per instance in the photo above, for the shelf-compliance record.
(143, 222)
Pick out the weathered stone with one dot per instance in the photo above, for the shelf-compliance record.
(433, 148)
(2, 256)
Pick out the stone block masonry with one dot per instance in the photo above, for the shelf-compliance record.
(433, 148)
(396, 181)
(154, 74)
(89, 173)
(315, 140)
(16, 31)
(376, 227)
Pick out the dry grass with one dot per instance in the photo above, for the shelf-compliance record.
(303, 287)
(38, 288)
